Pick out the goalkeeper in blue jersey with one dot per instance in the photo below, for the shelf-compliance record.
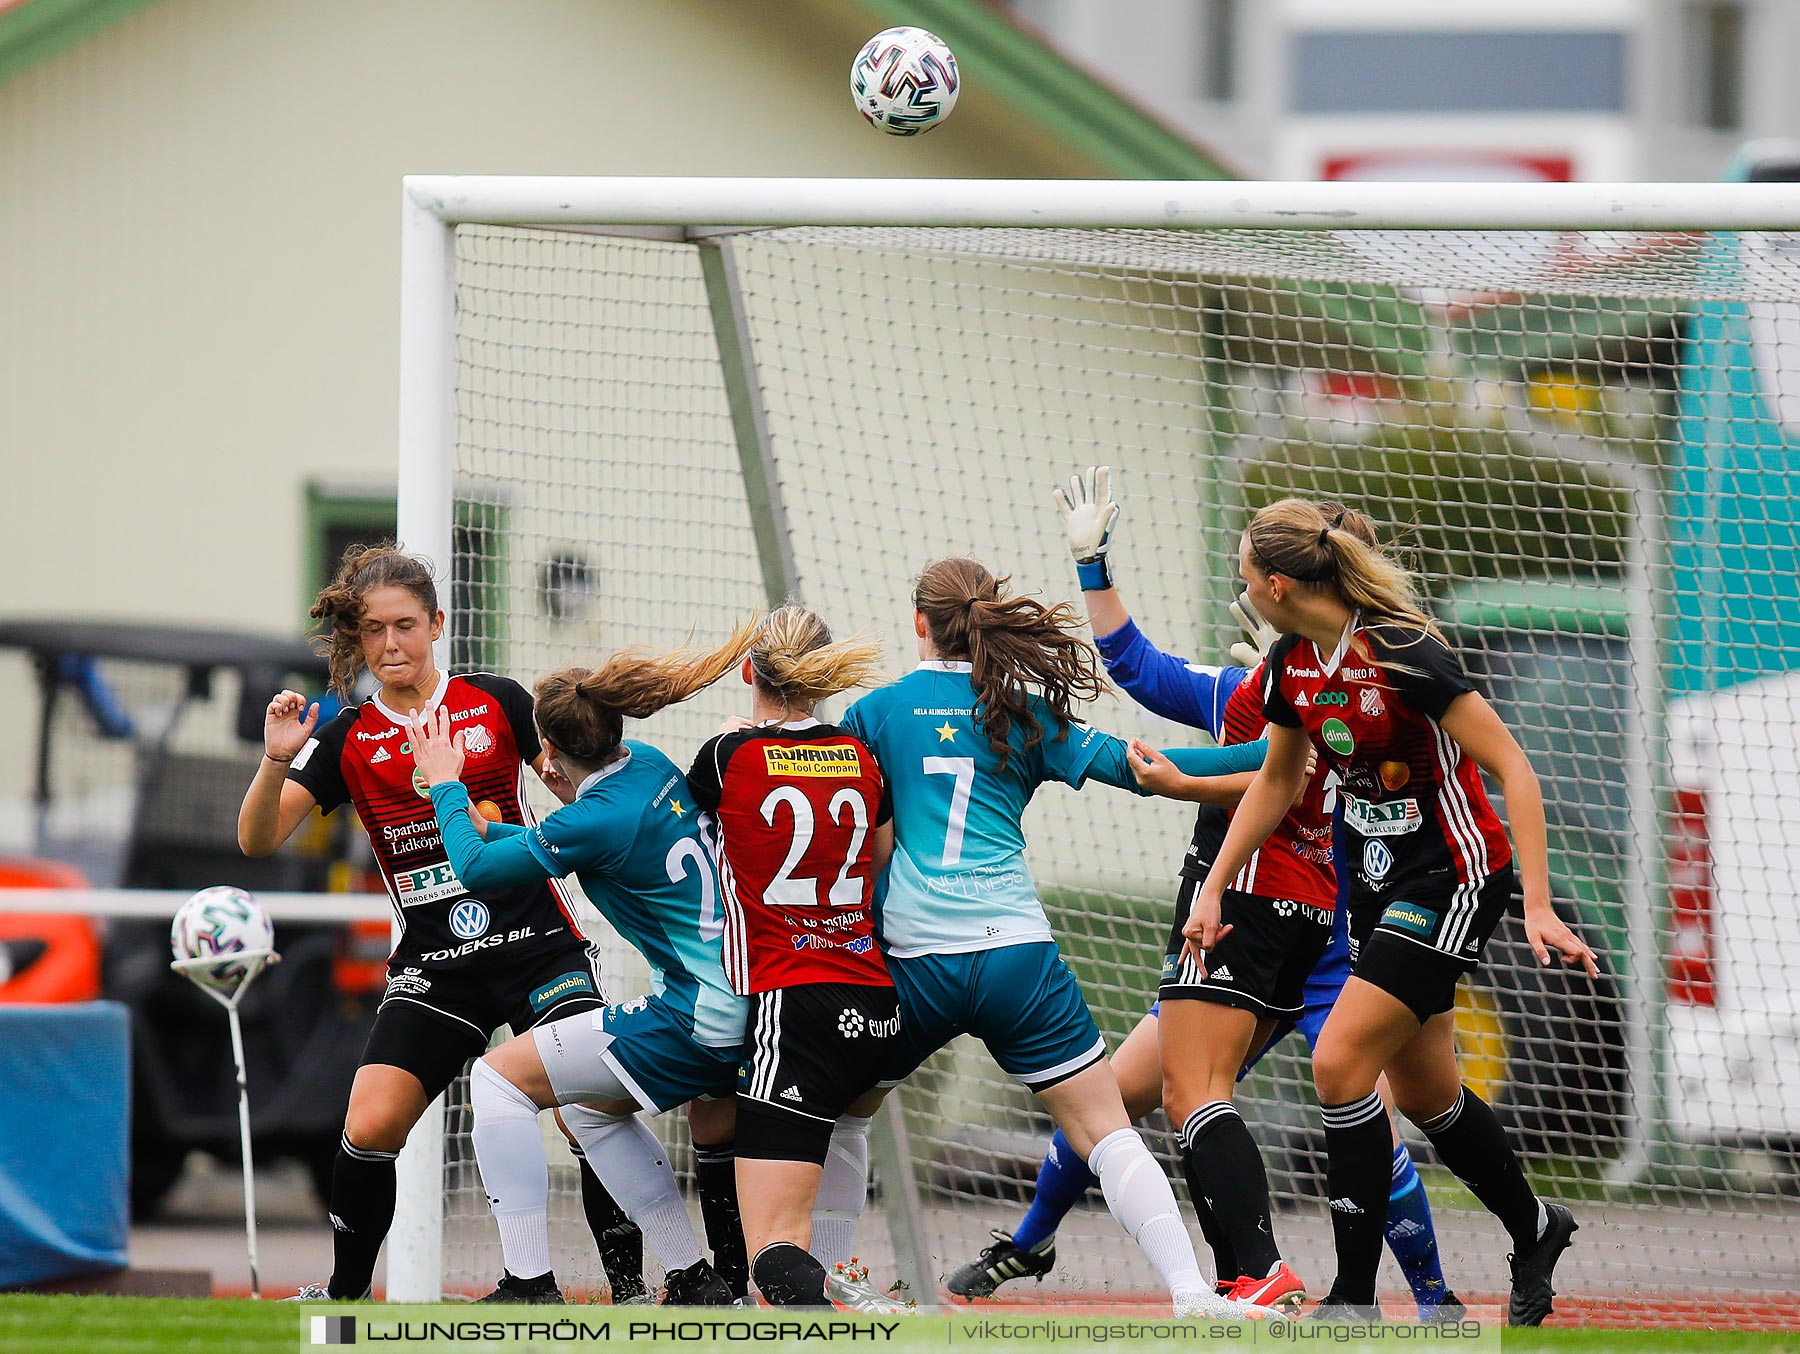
(631, 837)
(1200, 696)
(965, 740)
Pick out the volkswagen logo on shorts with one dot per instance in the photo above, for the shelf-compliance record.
(468, 919)
(1377, 861)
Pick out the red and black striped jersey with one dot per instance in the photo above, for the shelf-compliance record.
(1416, 820)
(1295, 861)
(792, 808)
(363, 758)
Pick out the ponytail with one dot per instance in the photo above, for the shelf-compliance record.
(583, 710)
(1014, 646)
(795, 660)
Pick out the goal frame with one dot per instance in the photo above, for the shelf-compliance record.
(709, 211)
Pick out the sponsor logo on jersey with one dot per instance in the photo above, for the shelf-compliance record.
(381, 755)
(1394, 818)
(428, 884)
(1170, 963)
(855, 945)
(558, 988)
(1285, 907)
(1377, 861)
(362, 736)
(477, 739)
(813, 759)
(1358, 674)
(1370, 704)
(1335, 734)
(1331, 698)
(457, 716)
(469, 919)
(1394, 774)
(1293, 671)
(421, 786)
(1410, 917)
(850, 1022)
(302, 757)
(486, 942)
(1300, 701)
(410, 982)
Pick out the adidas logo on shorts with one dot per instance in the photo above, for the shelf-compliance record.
(1220, 974)
(792, 1093)
(1344, 1206)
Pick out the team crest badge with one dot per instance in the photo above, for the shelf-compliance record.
(477, 739)
(1371, 703)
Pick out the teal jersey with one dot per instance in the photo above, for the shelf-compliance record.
(958, 879)
(632, 839)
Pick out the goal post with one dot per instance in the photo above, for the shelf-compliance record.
(635, 407)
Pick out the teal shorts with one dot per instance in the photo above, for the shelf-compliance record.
(641, 1048)
(1019, 1000)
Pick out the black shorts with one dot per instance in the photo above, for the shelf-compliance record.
(810, 1052)
(1416, 949)
(1262, 966)
(432, 1021)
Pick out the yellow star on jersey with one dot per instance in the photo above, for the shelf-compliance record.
(676, 809)
(946, 732)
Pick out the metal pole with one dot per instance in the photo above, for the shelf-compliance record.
(243, 1084)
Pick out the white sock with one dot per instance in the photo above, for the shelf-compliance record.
(1139, 1196)
(843, 1189)
(510, 1152)
(635, 1169)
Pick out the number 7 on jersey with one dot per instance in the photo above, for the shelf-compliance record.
(963, 768)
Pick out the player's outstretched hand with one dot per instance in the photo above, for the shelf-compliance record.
(1154, 772)
(284, 730)
(1247, 653)
(437, 752)
(1545, 931)
(1089, 513)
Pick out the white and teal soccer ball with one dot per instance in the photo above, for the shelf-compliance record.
(904, 81)
(227, 924)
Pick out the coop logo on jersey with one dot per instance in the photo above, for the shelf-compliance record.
(1331, 698)
(1377, 861)
(476, 739)
(469, 919)
(1393, 819)
(1335, 734)
(429, 884)
(1370, 703)
(813, 759)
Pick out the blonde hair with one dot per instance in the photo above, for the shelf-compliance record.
(1013, 644)
(583, 710)
(795, 659)
(1326, 545)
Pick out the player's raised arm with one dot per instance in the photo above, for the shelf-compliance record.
(273, 805)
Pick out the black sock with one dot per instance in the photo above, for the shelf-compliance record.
(1225, 1263)
(1360, 1159)
(1220, 1157)
(1469, 1139)
(362, 1210)
(620, 1242)
(715, 1173)
(790, 1277)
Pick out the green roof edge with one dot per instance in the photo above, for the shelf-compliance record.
(1067, 100)
(39, 29)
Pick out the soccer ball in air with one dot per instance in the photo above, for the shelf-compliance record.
(904, 81)
(223, 922)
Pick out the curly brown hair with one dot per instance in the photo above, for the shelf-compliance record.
(1015, 647)
(340, 603)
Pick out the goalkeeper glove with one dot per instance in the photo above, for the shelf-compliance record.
(1262, 635)
(1090, 513)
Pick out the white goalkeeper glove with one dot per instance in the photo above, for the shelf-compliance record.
(1089, 513)
(1262, 636)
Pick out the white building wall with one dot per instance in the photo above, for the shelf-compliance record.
(199, 248)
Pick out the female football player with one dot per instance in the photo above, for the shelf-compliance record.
(804, 827)
(1362, 676)
(965, 741)
(631, 835)
(467, 961)
(1206, 1017)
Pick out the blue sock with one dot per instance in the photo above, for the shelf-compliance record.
(1062, 1180)
(1410, 1235)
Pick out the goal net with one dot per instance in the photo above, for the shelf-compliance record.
(1588, 440)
